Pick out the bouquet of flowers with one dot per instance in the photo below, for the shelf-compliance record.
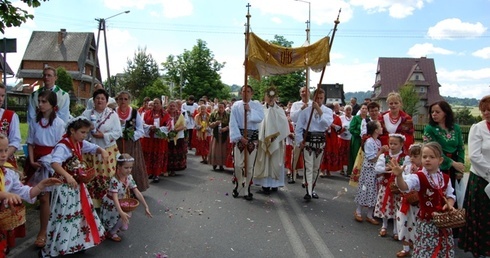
(81, 172)
(128, 131)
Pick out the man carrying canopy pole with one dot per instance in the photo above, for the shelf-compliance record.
(245, 118)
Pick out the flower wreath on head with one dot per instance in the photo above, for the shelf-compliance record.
(397, 135)
(74, 119)
(120, 158)
(415, 145)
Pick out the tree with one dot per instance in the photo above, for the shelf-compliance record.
(463, 116)
(410, 99)
(288, 85)
(141, 72)
(195, 72)
(11, 16)
(64, 81)
(156, 90)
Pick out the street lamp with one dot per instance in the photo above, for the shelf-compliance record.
(102, 27)
(308, 22)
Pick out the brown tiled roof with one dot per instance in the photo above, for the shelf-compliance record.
(395, 72)
(7, 67)
(44, 46)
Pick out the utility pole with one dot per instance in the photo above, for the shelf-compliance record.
(103, 27)
(308, 22)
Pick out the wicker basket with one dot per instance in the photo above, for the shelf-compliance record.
(412, 197)
(86, 175)
(128, 204)
(12, 217)
(450, 219)
(394, 188)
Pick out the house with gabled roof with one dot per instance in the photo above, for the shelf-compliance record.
(75, 51)
(394, 72)
(5, 70)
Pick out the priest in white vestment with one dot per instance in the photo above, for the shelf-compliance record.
(269, 165)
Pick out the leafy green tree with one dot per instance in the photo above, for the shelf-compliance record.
(463, 116)
(156, 90)
(11, 16)
(195, 72)
(410, 99)
(64, 81)
(141, 72)
(287, 85)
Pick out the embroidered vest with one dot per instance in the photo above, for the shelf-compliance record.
(430, 199)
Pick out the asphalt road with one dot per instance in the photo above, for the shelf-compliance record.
(195, 215)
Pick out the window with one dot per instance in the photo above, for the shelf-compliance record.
(422, 89)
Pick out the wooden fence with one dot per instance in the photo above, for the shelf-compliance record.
(419, 132)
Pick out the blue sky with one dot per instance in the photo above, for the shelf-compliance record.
(455, 33)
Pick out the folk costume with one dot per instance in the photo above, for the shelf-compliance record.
(331, 158)
(177, 147)
(10, 182)
(355, 149)
(219, 143)
(237, 127)
(9, 125)
(108, 213)
(298, 162)
(63, 100)
(132, 132)
(388, 203)
(402, 125)
(43, 137)
(71, 207)
(154, 144)
(406, 216)
(314, 140)
(202, 132)
(431, 240)
(188, 112)
(108, 123)
(367, 190)
(344, 143)
(452, 143)
(269, 170)
(474, 234)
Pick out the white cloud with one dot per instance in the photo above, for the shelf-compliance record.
(396, 8)
(461, 90)
(322, 12)
(455, 28)
(276, 20)
(419, 50)
(482, 53)
(463, 75)
(171, 8)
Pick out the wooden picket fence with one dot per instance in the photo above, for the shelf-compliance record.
(419, 132)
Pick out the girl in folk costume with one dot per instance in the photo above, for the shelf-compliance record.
(12, 191)
(288, 153)
(396, 121)
(389, 201)
(9, 125)
(43, 134)
(344, 139)
(219, 121)
(157, 124)
(367, 187)
(406, 217)
(71, 204)
(202, 126)
(105, 132)
(132, 128)
(435, 195)
(113, 217)
(331, 159)
(177, 148)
